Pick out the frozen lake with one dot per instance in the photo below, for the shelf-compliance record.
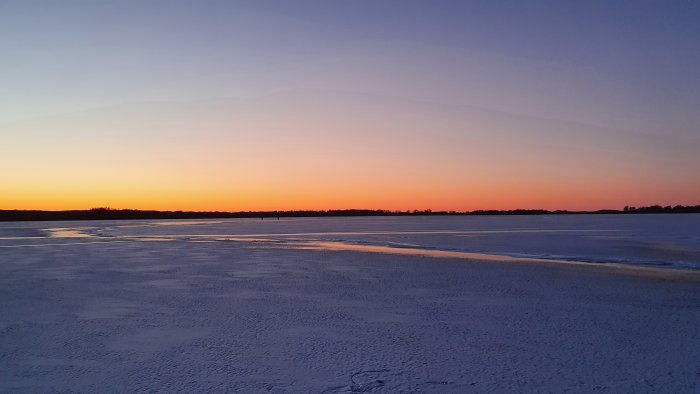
(411, 304)
(670, 241)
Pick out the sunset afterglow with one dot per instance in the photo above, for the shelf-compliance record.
(398, 105)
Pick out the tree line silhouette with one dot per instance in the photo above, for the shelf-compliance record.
(103, 213)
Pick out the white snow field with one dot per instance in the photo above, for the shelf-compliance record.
(342, 305)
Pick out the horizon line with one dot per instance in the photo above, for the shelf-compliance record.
(426, 210)
(105, 213)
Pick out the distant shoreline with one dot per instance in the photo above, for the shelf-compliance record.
(134, 214)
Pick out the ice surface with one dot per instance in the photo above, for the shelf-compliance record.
(351, 305)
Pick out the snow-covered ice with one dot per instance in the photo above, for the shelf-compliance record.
(605, 303)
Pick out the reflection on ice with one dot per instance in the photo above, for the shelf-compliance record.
(59, 244)
(343, 246)
(662, 241)
(485, 257)
(448, 254)
(68, 232)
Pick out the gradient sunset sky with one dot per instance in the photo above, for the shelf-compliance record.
(263, 105)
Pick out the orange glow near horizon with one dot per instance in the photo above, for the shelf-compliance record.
(330, 196)
(290, 154)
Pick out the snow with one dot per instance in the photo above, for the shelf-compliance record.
(342, 305)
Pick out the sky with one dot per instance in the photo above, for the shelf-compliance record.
(335, 104)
